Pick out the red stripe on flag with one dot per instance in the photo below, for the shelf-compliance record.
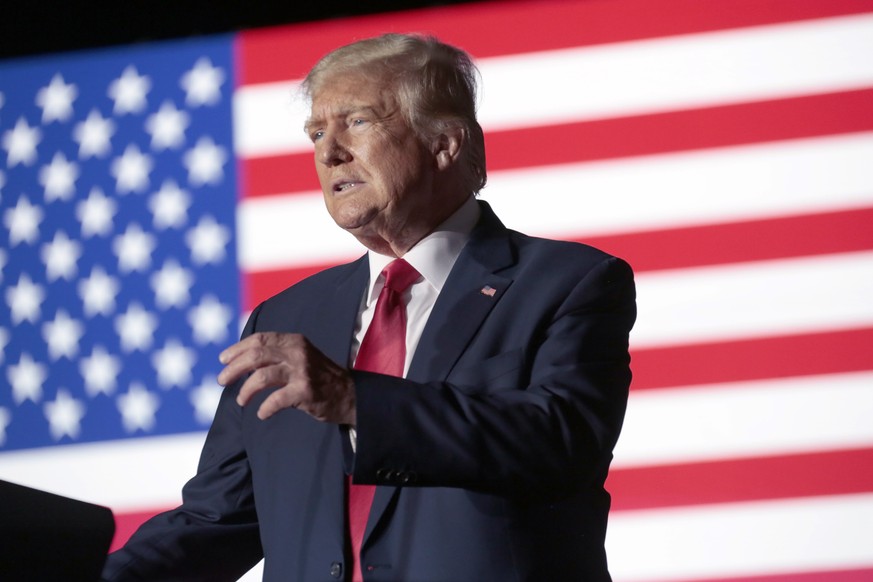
(753, 359)
(734, 480)
(280, 174)
(735, 242)
(710, 127)
(834, 232)
(126, 523)
(492, 29)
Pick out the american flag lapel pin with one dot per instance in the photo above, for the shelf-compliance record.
(488, 290)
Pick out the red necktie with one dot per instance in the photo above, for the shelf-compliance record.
(382, 350)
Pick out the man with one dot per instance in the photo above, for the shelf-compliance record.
(488, 427)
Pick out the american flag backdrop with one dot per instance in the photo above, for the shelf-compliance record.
(151, 196)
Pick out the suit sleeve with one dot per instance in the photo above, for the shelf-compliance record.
(549, 435)
(213, 536)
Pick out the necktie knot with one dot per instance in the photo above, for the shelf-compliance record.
(399, 275)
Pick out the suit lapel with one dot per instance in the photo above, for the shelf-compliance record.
(472, 290)
(334, 317)
(330, 329)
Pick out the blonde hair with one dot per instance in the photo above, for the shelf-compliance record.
(434, 83)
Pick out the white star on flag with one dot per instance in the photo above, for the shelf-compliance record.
(56, 100)
(173, 364)
(136, 328)
(64, 415)
(59, 178)
(205, 162)
(167, 127)
(24, 300)
(169, 206)
(138, 407)
(207, 241)
(172, 285)
(98, 292)
(131, 170)
(95, 213)
(62, 335)
(202, 83)
(60, 257)
(26, 378)
(209, 320)
(129, 91)
(93, 135)
(134, 249)
(20, 143)
(23, 221)
(99, 371)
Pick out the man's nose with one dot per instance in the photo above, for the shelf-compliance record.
(331, 150)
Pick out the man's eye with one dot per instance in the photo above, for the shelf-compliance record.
(316, 135)
(358, 121)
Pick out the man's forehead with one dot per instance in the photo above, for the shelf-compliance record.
(339, 100)
(321, 111)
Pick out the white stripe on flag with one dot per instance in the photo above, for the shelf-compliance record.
(747, 419)
(141, 473)
(742, 539)
(745, 300)
(268, 119)
(279, 231)
(687, 189)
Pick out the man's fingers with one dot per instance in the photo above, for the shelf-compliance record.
(266, 340)
(256, 351)
(262, 378)
(245, 358)
(235, 370)
(231, 352)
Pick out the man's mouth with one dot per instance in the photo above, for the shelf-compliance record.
(344, 186)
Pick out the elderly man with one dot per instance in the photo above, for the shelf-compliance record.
(442, 409)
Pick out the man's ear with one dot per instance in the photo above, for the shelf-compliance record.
(447, 146)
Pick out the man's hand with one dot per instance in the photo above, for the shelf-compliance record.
(304, 377)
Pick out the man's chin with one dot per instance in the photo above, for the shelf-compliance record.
(355, 222)
(356, 227)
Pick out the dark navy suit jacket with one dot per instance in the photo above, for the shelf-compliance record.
(490, 456)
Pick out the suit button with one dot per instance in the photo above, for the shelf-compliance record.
(386, 474)
(336, 570)
(408, 477)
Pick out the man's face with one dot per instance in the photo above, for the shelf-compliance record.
(376, 174)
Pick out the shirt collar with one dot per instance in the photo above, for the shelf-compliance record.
(434, 255)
